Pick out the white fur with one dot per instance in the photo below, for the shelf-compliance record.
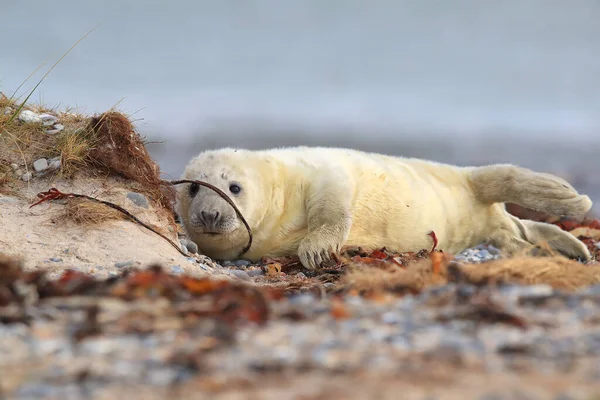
(313, 201)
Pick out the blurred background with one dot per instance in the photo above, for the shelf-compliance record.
(466, 82)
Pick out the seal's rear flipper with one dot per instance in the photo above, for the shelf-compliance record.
(559, 240)
(535, 190)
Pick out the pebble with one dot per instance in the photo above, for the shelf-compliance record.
(14, 166)
(6, 199)
(255, 272)
(192, 247)
(8, 111)
(138, 199)
(124, 264)
(26, 176)
(227, 263)
(29, 116)
(478, 254)
(176, 269)
(40, 165)
(55, 259)
(48, 119)
(54, 165)
(242, 263)
(240, 274)
(183, 247)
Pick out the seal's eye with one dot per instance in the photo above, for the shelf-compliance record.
(235, 188)
(194, 187)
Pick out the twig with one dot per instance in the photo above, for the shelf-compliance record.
(55, 194)
(228, 200)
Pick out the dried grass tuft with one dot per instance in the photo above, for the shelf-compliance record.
(558, 272)
(86, 212)
(368, 279)
(74, 151)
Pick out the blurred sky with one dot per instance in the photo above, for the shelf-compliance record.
(404, 77)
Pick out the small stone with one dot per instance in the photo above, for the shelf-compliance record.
(58, 127)
(54, 165)
(56, 259)
(242, 263)
(192, 247)
(138, 199)
(26, 176)
(227, 263)
(124, 264)
(8, 111)
(48, 119)
(14, 166)
(240, 274)
(52, 131)
(176, 269)
(182, 246)
(300, 275)
(6, 199)
(29, 116)
(40, 165)
(254, 272)
(484, 254)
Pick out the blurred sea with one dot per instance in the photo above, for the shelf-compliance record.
(467, 82)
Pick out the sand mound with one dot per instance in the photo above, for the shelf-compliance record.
(102, 157)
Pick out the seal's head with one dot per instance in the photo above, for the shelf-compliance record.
(208, 219)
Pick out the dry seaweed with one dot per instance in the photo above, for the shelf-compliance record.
(120, 150)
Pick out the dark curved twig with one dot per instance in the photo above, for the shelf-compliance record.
(55, 194)
(228, 200)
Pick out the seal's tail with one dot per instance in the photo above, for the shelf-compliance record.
(534, 190)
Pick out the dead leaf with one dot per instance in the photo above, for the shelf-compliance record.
(274, 270)
(339, 310)
(583, 231)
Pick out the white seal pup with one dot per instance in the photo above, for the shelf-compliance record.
(312, 201)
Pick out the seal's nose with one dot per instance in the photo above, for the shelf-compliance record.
(210, 217)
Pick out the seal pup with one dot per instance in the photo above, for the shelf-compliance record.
(311, 201)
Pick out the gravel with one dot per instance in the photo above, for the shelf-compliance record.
(479, 254)
(27, 176)
(412, 335)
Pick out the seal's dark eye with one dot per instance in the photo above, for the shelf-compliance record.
(235, 188)
(194, 187)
